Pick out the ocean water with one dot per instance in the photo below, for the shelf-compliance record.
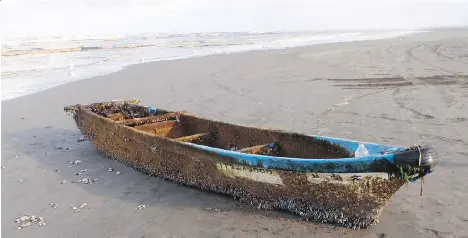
(46, 43)
(30, 65)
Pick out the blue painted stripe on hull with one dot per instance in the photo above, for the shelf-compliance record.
(352, 145)
(340, 165)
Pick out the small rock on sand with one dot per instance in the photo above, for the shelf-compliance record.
(75, 209)
(78, 209)
(86, 181)
(28, 220)
(210, 209)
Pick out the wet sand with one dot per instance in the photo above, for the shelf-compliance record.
(399, 91)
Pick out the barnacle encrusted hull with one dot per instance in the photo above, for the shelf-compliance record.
(173, 146)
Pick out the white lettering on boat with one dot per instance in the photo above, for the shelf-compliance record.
(249, 172)
(273, 177)
(343, 178)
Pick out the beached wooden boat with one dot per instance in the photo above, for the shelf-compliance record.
(315, 177)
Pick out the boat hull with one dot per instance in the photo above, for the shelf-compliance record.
(353, 200)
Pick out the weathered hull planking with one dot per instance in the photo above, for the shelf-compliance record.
(244, 163)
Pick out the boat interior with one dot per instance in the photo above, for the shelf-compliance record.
(183, 127)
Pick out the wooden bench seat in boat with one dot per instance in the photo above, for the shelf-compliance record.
(200, 138)
(151, 119)
(170, 128)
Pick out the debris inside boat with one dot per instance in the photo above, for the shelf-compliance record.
(315, 177)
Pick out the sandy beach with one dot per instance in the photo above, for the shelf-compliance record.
(401, 91)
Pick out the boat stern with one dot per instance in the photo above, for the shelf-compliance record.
(415, 162)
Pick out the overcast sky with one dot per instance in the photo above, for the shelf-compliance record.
(46, 18)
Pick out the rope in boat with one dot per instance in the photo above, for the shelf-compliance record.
(422, 179)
